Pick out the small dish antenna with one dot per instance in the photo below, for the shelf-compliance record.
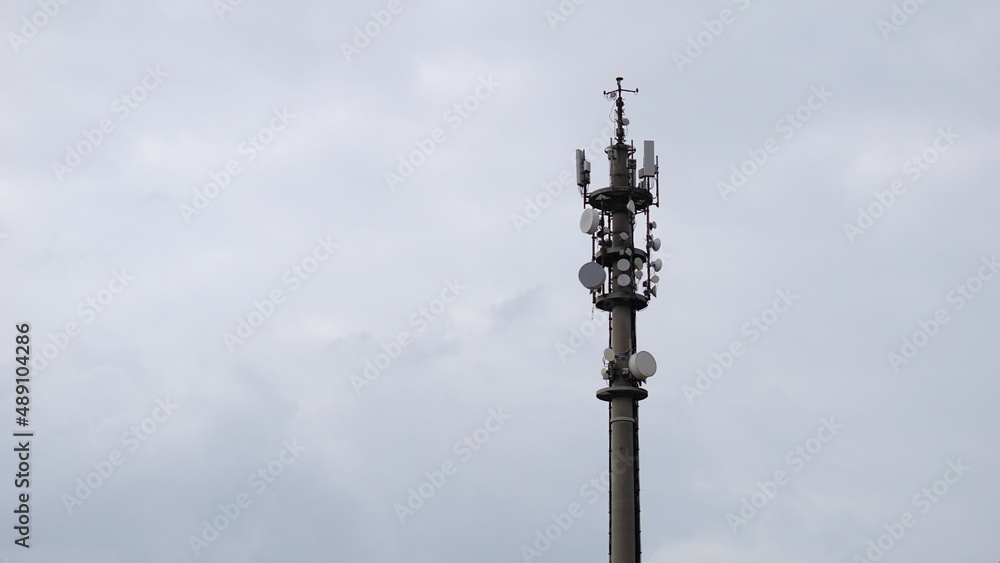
(590, 220)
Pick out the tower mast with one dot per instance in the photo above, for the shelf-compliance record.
(615, 278)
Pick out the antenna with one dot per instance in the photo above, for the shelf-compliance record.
(616, 95)
(614, 277)
(648, 159)
(582, 169)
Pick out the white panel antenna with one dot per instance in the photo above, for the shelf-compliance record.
(582, 169)
(648, 159)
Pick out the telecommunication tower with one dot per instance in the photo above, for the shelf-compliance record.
(621, 257)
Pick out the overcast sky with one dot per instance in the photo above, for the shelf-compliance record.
(301, 279)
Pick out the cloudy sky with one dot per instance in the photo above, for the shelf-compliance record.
(300, 279)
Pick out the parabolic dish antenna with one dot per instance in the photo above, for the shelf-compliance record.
(592, 275)
(590, 220)
(642, 365)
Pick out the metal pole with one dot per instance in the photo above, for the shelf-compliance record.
(620, 202)
(612, 223)
(623, 502)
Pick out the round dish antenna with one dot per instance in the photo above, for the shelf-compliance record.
(592, 275)
(590, 220)
(642, 365)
